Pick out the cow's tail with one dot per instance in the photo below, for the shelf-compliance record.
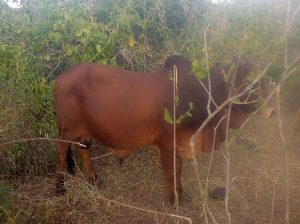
(70, 162)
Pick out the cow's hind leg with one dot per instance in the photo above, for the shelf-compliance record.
(70, 162)
(62, 149)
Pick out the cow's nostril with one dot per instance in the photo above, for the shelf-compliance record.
(273, 113)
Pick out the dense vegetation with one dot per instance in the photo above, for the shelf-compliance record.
(40, 40)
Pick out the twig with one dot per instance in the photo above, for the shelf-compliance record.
(9, 22)
(175, 94)
(132, 206)
(287, 67)
(41, 138)
(206, 90)
(291, 21)
(212, 216)
(105, 155)
(53, 70)
(211, 116)
(207, 68)
(205, 206)
(273, 203)
(233, 98)
(286, 158)
(283, 78)
(145, 210)
(227, 160)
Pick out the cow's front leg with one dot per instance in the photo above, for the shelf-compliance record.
(167, 162)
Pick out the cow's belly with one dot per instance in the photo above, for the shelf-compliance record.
(117, 136)
(125, 125)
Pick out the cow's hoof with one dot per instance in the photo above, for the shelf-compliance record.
(184, 199)
(71, 171)
(169, 200)
(248, 144)
(60, 190)
(121, 160)
(218, 193)
(98, 183)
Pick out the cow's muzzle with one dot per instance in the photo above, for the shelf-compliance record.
(268, 113)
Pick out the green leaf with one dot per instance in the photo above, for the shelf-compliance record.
(189, 114)
(199, 70)
(181, 117)
(68, 49)
(131, 42)
(167, 116)
(200, 74)
(47, 57)
(103, 61)
(55, 36)
(78, 33)
(98, 48)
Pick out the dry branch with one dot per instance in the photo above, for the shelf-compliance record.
(41, 138)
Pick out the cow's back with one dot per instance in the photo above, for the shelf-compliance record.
(120, 108)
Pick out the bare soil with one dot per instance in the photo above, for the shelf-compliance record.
(257, 177)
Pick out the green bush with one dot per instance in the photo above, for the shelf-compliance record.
(44, 38)
(5, 202)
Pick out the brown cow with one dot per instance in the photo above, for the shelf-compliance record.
(124, 110)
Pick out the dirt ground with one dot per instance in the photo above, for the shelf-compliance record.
(256, 172)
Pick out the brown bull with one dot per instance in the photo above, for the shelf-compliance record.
(124, 110)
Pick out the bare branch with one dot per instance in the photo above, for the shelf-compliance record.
(145, 210)
(286, 158)
(210, 117)
(40, 138)
(207, 68)
(99, 157)
(227, 160)
(175, 94)
(205, 206)
(206, 90)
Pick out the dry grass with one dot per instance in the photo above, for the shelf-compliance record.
(257, 185)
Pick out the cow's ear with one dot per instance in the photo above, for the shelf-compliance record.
(243, 65)
(239, 60)
(218, 64)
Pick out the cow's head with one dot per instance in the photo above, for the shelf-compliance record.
(239, 76)
(226, 80)
(211, 137)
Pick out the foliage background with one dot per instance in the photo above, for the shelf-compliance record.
(44, 38)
